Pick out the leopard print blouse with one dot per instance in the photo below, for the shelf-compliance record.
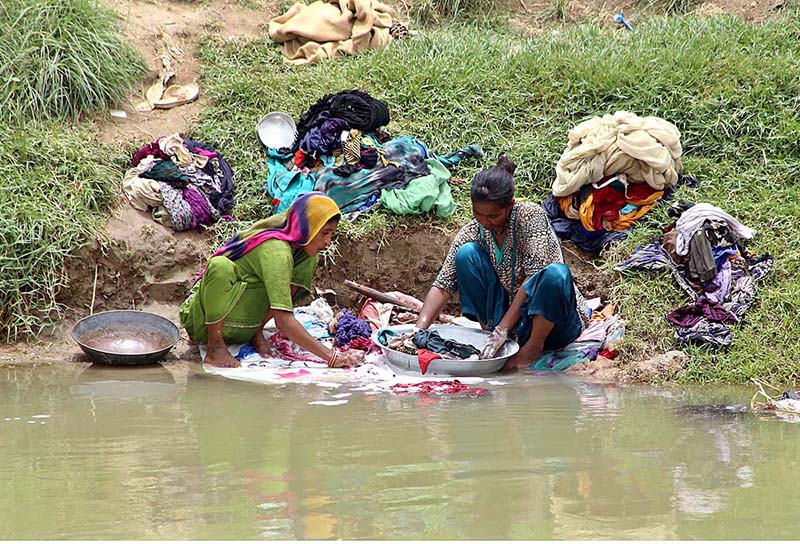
(535, 244)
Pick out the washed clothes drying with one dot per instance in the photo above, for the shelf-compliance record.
(717, 303)
(645, 149)
(186, 183)
(354, 190)
(347, 110)
(595, 240)
(326, 28)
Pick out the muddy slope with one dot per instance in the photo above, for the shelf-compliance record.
(143, 264)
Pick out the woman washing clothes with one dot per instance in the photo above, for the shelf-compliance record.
(256, 276)
(509, 271)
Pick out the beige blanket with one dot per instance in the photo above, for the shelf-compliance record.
(325, 28)
(645, 149)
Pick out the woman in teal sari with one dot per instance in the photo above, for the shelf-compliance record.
(256, 277)
(509, 272)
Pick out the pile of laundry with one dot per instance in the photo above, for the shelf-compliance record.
(705, 252)
(598, 340)
(427, 346)
(615, 169)
(326, 28)
(185, 184)
(341, 149)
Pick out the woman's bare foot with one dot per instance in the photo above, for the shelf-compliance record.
(221, 357)
(261, 345)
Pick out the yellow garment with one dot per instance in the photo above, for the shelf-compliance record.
(625, 220)
(645, 149)
(567, 205)
(326, 28)
(352, 147)
(321, 209)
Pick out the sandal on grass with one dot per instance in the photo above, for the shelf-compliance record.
(177, 95)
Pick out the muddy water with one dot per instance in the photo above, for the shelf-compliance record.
(147, 453)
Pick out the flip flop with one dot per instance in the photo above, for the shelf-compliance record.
(177, 95)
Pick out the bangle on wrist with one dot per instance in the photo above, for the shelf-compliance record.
(334, 356)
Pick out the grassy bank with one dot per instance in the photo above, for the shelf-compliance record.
(731, 88)
(55, 187)
(58, 60)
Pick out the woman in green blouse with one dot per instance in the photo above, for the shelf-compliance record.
(257, 276)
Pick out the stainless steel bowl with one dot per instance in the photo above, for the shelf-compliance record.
(406, 363)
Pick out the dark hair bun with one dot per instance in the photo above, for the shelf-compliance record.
(506, 164)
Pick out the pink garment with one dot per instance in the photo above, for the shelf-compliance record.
(295, 374)
(203, 152)
(289, 351)
(447, 387)
(597, 330)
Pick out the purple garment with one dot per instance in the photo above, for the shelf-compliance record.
(224, 202)
(325, 138)
(201, 210)
(350, 327)
(204, 153)
(150, 149)
(690, 314)
(718, 288)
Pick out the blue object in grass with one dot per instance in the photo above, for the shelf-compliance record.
(620, 19)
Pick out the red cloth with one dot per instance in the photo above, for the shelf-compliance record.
(608, 353)
(299, 158)
(448, 387)
(362, 343)
(425, 357)
(150, 149)
(608, 201)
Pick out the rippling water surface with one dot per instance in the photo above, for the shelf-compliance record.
(151, 453)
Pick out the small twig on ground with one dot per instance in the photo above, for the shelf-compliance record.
(94, 290)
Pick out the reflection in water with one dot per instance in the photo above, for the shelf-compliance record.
(171, 453)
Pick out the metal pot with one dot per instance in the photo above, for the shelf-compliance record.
(125, 337)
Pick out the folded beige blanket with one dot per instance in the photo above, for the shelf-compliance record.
(325, 28)
(645, 149)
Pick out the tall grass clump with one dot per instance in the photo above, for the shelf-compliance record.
(669, 7)
(431, 11)
(55, 187)
(61, 58)
(731, 87)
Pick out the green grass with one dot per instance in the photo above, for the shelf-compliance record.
(55, 188)
(731, 88)
(672, 7)
(61, 58)
(426, 12)
(58, 59)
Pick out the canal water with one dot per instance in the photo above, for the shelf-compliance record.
(91, 452)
